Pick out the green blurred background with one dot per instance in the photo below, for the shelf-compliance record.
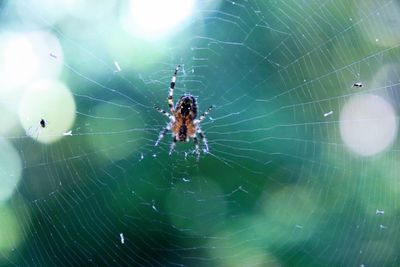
(303, 166)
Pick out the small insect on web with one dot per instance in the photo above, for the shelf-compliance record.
(183, 123)
(43, 123)
(356, 72)
(35, 129)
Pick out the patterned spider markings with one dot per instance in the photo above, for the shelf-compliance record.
(182, 120)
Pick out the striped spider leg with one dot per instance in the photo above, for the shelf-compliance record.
(171, 107)
(171, 90)
(200, 132)
(166, 128)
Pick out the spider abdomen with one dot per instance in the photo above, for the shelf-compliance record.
(183, 130)
(183, 133)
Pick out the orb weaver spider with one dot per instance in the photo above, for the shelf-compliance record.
(182, 120)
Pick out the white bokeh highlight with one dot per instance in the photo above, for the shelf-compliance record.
(18, 61)
(25, 57)
(368, 124)
(153, 19)
(51, 101)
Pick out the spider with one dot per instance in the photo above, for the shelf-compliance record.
(182, 120)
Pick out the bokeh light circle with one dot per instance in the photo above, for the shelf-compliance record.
(197, 211)
(9, 118)
(382, 27)
(127, 130)
(289, 215)
(153, 19)
(51, 101)
(10, 169)
(25, 57)
(11, 234)
(368, 124)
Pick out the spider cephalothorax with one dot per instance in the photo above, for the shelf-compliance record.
(186, 107)
(183, 123)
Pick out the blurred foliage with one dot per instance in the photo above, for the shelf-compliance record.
(279, 188)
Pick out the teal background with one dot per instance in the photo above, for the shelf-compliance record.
(279, 188)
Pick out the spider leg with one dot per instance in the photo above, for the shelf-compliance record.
(171, 89)
(196, 150)
(203, 138)
(169, 116)
(204, 115)
(162, 133)
(173, 144)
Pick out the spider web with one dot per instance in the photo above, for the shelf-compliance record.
(279, 186)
